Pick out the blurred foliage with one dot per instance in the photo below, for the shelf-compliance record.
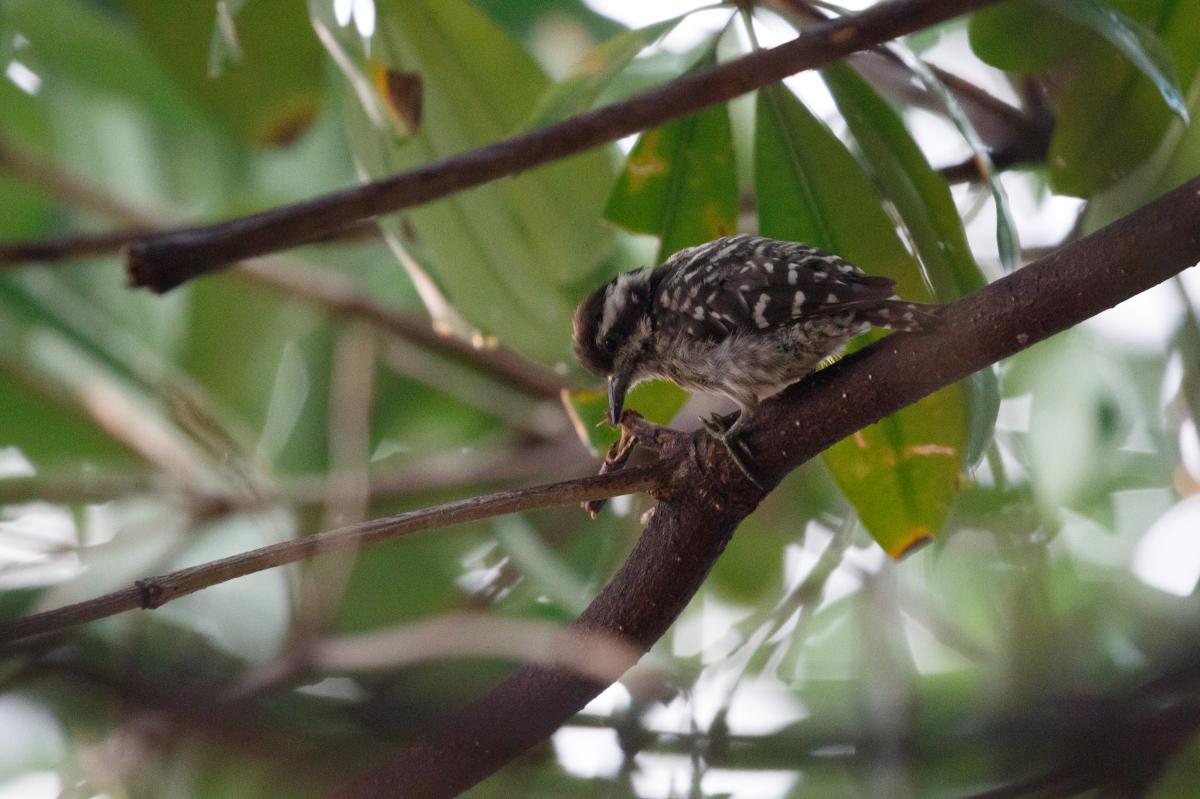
(1041, 640)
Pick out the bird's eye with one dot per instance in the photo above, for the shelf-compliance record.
(610, 344)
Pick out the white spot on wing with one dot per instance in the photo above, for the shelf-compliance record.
(759, 307)
(797, 301)
(832, 298)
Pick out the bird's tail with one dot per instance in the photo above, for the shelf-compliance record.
(904, 316)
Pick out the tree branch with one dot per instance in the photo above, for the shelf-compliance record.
(68, 189)
(162, 262)
(95, 245)
(333, 293)
(154, 592)
(708, 497)
(998, 123)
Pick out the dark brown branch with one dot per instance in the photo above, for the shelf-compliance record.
(695, 519)
(162, 262)
(154, 592)
(18, 253)
(1020, 152)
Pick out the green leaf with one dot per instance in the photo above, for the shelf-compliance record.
(51, 431)
(273, 91)
(920, 194)
(679, 183)
(1111, 117)
(579, 90)
(1080, 417)
(527, 19)
(1142, 46)
(266, 332)
(901, 474)
(77, 42)
(25, 210)
(656, 400)
(511, 256)
(922, 198)
(1007, 243)
(1026, 37)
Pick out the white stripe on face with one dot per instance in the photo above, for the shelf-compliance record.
(616, 298)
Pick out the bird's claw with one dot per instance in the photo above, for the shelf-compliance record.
(727, 430)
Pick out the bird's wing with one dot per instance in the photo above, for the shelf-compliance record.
(753, 283)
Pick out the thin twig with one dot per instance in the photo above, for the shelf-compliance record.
(70, 190)
(451, 470)
(335, 294)
(154, 592)
(162, 262)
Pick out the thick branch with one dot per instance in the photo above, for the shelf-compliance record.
(154, 592)
(162, 262)
(692, 523)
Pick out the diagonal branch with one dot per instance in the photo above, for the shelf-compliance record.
(155, 592)
(333, 293)
(163, 262)
(708, 497)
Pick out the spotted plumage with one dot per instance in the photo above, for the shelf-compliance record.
(742, 316)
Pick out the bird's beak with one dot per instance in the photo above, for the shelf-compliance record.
(618, 384)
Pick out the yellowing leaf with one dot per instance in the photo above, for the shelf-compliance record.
(900, 474)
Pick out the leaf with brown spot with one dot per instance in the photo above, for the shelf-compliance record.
(679, 182)
(897, 472)
(402, 95)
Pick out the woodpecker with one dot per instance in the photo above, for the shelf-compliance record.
(742, 316)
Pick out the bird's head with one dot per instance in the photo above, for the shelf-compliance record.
(612, 333)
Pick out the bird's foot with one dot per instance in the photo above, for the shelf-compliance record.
(727, 429)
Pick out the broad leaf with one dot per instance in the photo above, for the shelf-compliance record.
(513, 255)
(79, 42)
(922, 198)
(656, 400)
(1142, 46)
(1111, 117)
(679, 182)
(1026, 37)
(578, 90)
(24, 209)
(270, 93)
(1007, 242)
(901, 474)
